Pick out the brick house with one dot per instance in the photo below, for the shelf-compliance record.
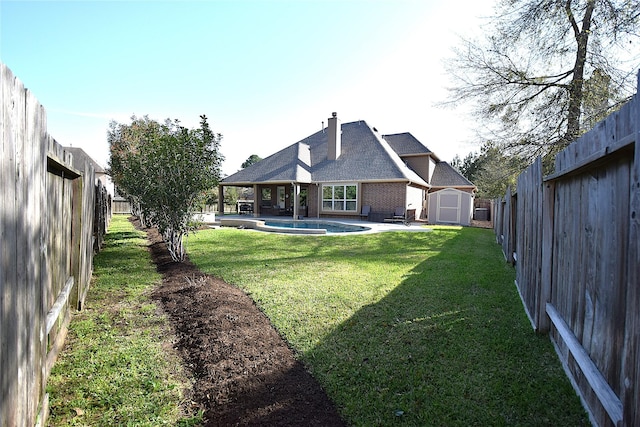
(347, 167)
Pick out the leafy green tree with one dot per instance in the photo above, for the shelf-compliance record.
(467, 167)
(254, 158)
(231, 196)
(166, 169)
(491, 170)
(211, 196)
(126, 161)
(543, 64)
(598, 93)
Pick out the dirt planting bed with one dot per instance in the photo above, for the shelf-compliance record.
(244, 374)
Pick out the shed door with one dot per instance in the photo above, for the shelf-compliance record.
(448, 207)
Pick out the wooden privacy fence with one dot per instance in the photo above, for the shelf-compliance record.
(574, 237)
(46, 249)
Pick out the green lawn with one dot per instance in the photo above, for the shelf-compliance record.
(114, 368)
(402, 328)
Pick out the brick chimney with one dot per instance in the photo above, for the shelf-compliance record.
(334, 137)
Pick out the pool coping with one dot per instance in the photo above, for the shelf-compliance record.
(251, 223)
(259, 224)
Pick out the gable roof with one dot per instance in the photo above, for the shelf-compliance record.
(287, 165)
(445, 175)
(406, 144)
(365, 156)
(79, 155)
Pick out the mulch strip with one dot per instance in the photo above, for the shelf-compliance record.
(244, 373)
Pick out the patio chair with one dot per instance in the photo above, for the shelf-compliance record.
(398, 214)
(366, 210)
(246, 208)
(401, 215)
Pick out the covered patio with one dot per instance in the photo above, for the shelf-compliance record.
(274, 199)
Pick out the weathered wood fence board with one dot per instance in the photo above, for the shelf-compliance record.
(101, 217)
(46, 250)
(504, 225)
(631, 352)
(527, 238)
(21, 382)
(577, 261)
(498, 218)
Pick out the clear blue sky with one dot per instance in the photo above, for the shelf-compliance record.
(266, 73)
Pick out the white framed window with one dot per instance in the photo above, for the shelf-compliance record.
(340, 197)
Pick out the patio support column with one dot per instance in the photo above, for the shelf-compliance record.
(220, 200)
(256, 198)
(319, 203)
(296, 199)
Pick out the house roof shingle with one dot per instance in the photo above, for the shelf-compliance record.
(405, 144)
(79, 155)
(445, 175)
(365, 156)
(279, 167)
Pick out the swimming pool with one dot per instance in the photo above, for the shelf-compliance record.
(331, 227)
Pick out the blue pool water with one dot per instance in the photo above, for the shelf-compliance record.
(331, 227)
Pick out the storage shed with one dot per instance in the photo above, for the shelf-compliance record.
(450, 206)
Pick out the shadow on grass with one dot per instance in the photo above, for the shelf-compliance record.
(450, 345)
(442, 340)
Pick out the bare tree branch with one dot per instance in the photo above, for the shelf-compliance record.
(547, 69)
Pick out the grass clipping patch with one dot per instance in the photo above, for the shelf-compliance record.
(114, 369)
